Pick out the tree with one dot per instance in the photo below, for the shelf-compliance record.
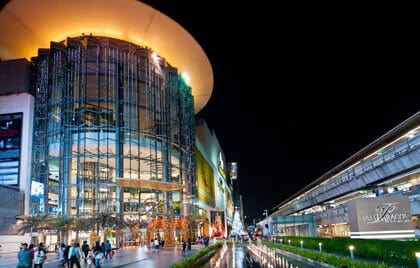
(80, 224)
(63, 224)
(39, 223)
(106, 220)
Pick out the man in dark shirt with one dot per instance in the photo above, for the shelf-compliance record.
(85, 249)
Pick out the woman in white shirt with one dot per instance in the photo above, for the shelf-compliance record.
(39, 257)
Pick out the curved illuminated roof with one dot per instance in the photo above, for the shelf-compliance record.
(26, 25)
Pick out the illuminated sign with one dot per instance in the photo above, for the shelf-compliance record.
(221, 161)
(205, 180)
(217, 223)
(386, 212)
(233, 170)
(380, 217)
(10, 147)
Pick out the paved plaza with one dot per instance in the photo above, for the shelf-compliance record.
(129, 256)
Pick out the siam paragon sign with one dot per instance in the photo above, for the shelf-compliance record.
(386, 212)
(380, 217)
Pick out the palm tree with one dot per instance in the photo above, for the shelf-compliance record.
(39, 223)
(80, 224)
(63, 224)
(106, 220)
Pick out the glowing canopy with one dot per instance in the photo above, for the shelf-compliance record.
(26, 25)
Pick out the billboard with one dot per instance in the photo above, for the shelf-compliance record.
(217, 223)
(205, 180)
(10, 147)
(380, 217)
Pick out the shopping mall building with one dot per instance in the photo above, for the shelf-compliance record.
(375, 193)
(97, 106)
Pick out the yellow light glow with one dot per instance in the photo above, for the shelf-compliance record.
(186, 77)
(34, 24)
(351, 247)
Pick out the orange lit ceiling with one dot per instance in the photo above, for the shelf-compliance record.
(26, 25)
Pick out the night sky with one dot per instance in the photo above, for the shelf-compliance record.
(299, 89)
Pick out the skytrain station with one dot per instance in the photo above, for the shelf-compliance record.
(375, 193)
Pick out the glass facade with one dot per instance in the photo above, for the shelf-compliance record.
(106, 110)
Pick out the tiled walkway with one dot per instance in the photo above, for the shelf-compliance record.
(127, 257)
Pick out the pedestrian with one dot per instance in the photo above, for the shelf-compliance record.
(32, 250)
(66, 261)
(85, 250)
(157, 245)
(39, 257)
(74, 255)
(61, 254)
(189, 245)
(107, 249)
(184, 246)
(24, 257)
(98, 254)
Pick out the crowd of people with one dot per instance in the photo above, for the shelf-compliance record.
(29, 254)
(70, 255)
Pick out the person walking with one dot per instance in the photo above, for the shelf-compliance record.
(184, 246)
(24, 257)
(107, 249)
(157, 245)
(98, 254)
(189, 245)
(74, 255)
(85, 250)
(39, 257)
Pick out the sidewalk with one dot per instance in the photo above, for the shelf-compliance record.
(126, 257)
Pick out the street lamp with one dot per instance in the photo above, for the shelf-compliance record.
(289, 242)
(418, 259)
(301, 244)
(320, 246)
(351, 248)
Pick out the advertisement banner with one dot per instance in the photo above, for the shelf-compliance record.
(217, 223)
(10, 147)
(205, 180)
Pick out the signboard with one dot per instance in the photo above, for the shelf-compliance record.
(38, 196)
(205, 180)
(380, 217)
(217, 223)
(10, 147)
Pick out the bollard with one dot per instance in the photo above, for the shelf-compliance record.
(351, 252)
(320, 246)
(418, 259)
(289, 242)
(301, 244)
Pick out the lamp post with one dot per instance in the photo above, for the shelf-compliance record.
(301, 244)
(289, 242)
(320, 246)
(266, 221)
(351, 248)
(418, 259)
